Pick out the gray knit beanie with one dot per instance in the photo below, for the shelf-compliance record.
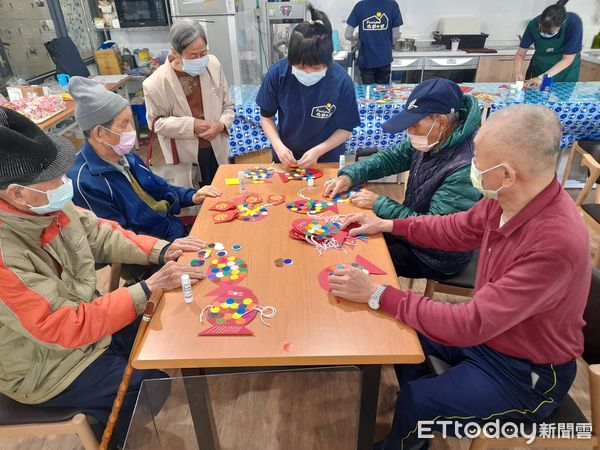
(94, 104)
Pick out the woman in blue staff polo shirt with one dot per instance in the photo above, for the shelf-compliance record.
(378, 23)
(313, 98)
(557, 36)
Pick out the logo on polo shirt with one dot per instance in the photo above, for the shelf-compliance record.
(377, 22)
(412, 105)
(323, 112)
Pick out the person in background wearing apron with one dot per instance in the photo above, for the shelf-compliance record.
(378, 23)
(313, 98)
(557, 36)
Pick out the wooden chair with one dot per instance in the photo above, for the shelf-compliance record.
(461, 284)
(568, 412)
(589, 211)
(115, 276)
(19, 420)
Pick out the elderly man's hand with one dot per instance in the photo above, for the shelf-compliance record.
(203, 192)
(169, 276)
(368, 224)
(364, 199)
(337, 185)
(186, 244)
(352, 284)
(214, 129)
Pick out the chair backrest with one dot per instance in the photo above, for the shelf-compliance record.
(65, 55)
(591, 351)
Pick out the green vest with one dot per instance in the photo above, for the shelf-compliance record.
(548, 52)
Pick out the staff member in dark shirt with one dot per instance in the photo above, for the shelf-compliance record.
(312, 96)
(557, 36)
(378, 23)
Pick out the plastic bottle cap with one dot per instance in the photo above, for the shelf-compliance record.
(185, 278)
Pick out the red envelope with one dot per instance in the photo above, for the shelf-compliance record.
(222, 206)
(253, 199)
(224, 217)
(276, 199)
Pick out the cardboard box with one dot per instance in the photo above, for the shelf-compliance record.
(19, 92)
(109, 61)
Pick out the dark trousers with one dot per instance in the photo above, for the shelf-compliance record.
(207, 162)
(406, 262)
(93, 392)
(481, 386)
(376, 75)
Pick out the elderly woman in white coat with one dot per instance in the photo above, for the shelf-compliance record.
(187, 100)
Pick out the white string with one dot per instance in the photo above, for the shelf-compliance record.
(262, 311)
(302, 196)
(272, 167)
(202, 313)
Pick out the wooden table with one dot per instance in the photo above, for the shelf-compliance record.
(70, 104)
(311, 328)
(63, 115)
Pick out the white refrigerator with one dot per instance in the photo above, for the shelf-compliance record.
(232, 28)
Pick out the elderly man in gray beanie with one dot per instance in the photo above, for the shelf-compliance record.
(61, 343)
(113, 182)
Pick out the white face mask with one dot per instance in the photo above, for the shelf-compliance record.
(548, 35)
(57, 197)
(309, 79)
(195, 66)
(421, 143)
(477, 180)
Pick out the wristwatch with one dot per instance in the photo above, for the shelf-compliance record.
(374, 301)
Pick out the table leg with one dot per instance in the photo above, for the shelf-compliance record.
(371, 377)
(196, 387)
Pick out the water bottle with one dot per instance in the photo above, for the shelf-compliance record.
(546, 83)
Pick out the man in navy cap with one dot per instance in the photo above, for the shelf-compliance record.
(441, 123)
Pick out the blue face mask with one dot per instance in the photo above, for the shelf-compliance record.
(57, 198)
(195, 66)
(308, 79)
(548, 35)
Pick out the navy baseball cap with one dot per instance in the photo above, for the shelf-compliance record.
(436, 96)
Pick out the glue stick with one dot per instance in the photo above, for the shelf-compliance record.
(342, 161)
(242, 179)
(186, 285)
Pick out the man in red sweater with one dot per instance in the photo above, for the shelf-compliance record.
(512, 348)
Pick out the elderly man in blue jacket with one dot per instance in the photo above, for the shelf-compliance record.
(113, 182)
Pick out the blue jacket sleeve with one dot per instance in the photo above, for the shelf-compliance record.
(94, 193)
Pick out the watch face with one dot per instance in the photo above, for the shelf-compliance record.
(374, 303)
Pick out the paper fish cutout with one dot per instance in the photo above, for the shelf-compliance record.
(361, 264)
(344, 197)
(227, 270)
(224, 217)
(251, 213)
(258, 173)
(312, 206)
(276, 199)
(299, 174)
(233, 308)
(317, 228)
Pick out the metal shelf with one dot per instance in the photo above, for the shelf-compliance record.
(132, 29)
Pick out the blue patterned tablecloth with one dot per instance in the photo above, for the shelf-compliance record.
(577, 105)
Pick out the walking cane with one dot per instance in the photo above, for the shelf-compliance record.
(118, 403)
